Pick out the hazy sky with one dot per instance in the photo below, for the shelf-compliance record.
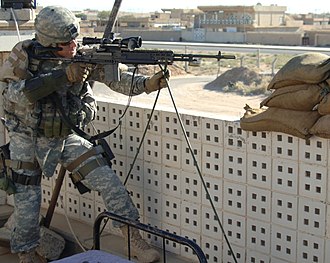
(293, 6)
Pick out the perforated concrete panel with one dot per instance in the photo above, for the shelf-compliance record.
(270, 190)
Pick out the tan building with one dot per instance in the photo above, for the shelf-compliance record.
(240, 18)
(168, 18)
(185, 17)
(316, 20)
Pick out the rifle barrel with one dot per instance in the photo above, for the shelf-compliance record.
(136, 57)
(191, 57)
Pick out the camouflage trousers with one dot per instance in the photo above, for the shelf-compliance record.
(27, 200)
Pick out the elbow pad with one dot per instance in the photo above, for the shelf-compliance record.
(44, 85)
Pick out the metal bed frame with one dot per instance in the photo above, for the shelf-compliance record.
(147, 228)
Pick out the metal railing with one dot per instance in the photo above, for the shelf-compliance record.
(237, 48)
(147, 228)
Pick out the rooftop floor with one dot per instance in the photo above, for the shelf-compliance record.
(84, 232)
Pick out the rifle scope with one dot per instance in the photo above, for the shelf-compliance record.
(130, 42)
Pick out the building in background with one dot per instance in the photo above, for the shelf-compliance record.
(240, 18)
(256, 24)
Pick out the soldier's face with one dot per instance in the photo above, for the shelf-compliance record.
(69, 49)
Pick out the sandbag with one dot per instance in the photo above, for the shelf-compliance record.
(321, 127)
(324, 107)
(310, 68)
(303, 97)
(296, 123)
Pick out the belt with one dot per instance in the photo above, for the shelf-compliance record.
(25, 179)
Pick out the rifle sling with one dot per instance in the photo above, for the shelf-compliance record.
(77, 130)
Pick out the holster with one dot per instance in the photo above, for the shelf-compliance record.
(8, 177)
(6, 184)
(100, 147)
(107, 154)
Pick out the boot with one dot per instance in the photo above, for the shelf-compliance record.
(31, 257)
(139, 247)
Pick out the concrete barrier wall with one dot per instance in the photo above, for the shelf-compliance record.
(266, 38)
(156, 35)
(270, 190)
(284, 39)
(322, 40)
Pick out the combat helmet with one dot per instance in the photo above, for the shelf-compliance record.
(55, 24)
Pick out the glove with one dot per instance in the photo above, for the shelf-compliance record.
(157, 81)
(77, 72)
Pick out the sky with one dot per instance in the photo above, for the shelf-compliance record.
(293, 6)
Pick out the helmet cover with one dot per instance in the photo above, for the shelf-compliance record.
(55, 24)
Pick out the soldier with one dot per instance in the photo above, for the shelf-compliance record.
(40, 139)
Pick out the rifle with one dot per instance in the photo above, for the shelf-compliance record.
(112, 51)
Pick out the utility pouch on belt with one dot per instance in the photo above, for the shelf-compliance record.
(6, 183)
(8, 177)
(107, 154)
(48, 128)
(82, 189)
(55, 128)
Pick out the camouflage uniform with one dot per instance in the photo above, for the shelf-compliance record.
(26, 123)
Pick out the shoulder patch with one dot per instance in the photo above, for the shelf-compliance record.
(16, 66)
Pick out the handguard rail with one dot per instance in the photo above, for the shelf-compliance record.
(155, 231)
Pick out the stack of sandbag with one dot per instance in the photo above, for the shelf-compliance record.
(296, 123)
(300, 102)
(322, 127)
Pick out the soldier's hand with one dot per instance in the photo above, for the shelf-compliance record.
(77, 72)
(157, 81)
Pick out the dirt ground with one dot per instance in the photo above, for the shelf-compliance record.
(193, 94)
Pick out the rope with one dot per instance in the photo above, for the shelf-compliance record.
(16, 24)
(192, 155)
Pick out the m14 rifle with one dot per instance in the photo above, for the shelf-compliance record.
(112, 51)
(124, 51)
